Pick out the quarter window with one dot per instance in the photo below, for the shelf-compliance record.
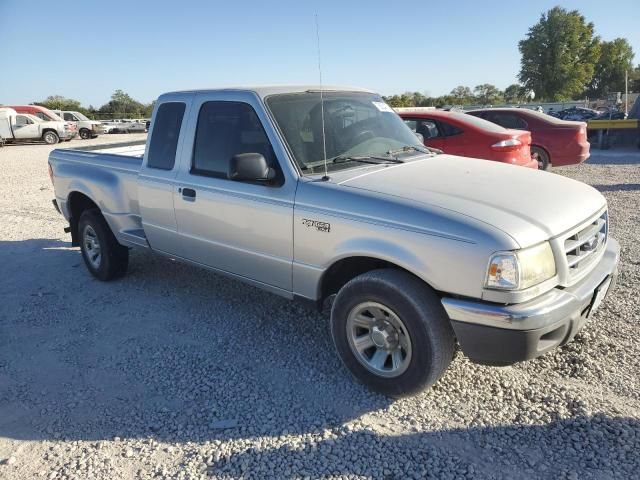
(226, 129)
(164, 136)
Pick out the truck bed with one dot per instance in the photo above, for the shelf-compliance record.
(109, 174)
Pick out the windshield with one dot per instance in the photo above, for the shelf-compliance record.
(79, 116)
(356, 125)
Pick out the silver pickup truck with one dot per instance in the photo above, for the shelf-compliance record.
(326, 196)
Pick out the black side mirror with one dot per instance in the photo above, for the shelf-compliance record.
(250, 167)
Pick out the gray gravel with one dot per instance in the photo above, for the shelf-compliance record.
(173, 372)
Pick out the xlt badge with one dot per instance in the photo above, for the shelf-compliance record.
(320, 226)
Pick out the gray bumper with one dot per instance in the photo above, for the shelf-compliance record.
(504, 334)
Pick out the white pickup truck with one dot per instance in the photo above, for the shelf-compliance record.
(87, 128)
(328, 197)
(17, 127)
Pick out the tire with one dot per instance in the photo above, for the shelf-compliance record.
(543, 158)
(96, 237)
(415, 325)
(50, 137)
(85, 134)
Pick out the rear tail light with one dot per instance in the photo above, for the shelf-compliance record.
(582, 132)
(510, 145)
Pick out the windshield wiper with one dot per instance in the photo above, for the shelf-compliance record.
(365, 159)
(408, 148)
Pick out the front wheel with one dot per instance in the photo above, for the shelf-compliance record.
(104, 257)
(50, 137)
(85, 134)
(391, 331)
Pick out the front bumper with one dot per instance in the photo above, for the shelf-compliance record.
(497, 334)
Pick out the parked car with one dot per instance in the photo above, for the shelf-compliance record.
(119, 125)
(87, 128)
(16, 127)
(580, 114)
(553, 141)
(332, 200)
(459, 134)
(47, 115)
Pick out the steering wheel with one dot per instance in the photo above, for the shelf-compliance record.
(363, 136)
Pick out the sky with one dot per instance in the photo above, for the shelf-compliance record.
(88, 49)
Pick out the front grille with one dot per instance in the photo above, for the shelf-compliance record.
(582, 248)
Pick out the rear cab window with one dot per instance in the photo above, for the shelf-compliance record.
(165, 135)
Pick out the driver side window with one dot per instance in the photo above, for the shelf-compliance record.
(22, 120)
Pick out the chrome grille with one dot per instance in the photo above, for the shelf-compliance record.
(582, 247)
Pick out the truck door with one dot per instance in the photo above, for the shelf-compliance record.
(238, 227)
(25, 128)
(158, 173)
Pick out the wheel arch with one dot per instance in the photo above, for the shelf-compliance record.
(346, 268)
(545, 150)
(77, 203)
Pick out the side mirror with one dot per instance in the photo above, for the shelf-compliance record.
(250, 167)
(420, 137)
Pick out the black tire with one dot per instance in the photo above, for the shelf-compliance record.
(543, 158)
(429, 330)
(85, 134)
(50, 137)
(113, 257)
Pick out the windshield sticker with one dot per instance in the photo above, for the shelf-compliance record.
(383, 107)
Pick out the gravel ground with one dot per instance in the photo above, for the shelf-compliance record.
(173, 372)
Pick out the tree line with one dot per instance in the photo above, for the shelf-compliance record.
(561, 59)
(121, 105)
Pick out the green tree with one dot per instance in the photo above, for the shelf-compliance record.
(514, 93)
(487, 94)
(462, 94)
(559, 55)
(616, 57)
(122, 105)
(58, 102)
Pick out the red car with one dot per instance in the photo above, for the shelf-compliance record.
(553, 141)
(467, 136)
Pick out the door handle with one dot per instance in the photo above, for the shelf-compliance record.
(188, 194)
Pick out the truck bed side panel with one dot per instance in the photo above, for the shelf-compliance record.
(109, 180)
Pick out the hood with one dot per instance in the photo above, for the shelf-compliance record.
(529, 205)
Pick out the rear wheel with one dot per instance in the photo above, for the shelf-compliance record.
(50, 137)
(85, 134)
(391, 332)
(104, 257)
(542, 157)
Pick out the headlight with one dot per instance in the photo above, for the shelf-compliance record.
(521, 269)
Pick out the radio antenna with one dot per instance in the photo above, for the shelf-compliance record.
(324, 138)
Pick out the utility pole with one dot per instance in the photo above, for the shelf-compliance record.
(626, 92)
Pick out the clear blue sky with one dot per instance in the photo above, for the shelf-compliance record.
(86, 50)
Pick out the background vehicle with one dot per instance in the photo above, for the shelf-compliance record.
(553, 141)
(580, 114)
(23, 126)
(86, 128)
(119, 125)
(332, 200)
(459, 134)
(48, 116)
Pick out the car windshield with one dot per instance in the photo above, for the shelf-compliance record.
(357, 125)
(80, 116)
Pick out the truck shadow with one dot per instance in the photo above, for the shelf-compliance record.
(618, 187)
(588, 447)
(169, 351)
